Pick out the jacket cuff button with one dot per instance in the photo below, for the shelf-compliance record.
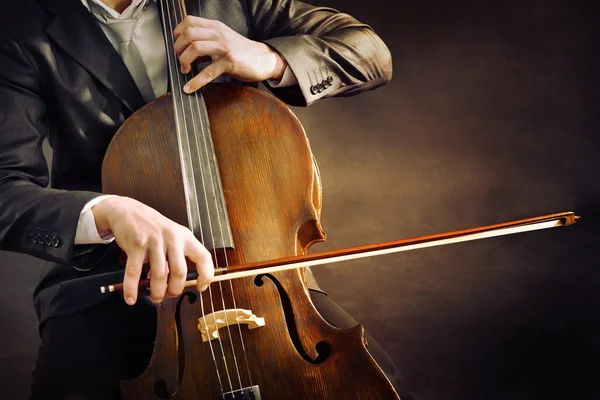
(47, 240)
(313, 89)
(40, 238)
(33, 237)
(55, 241)
(330, 79)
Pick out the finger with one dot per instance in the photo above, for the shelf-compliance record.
(193, 21)
(133, 270)
(196, 50)
(158, 273)
(191, 35)
(207, 75)
(202, 258)
(177, 271)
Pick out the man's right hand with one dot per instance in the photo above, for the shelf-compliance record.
(145, 235)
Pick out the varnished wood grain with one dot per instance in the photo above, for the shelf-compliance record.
(272, 191)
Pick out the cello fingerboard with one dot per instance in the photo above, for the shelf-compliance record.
(206, 209)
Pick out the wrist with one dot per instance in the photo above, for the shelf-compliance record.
(102, 215)
(279, 64)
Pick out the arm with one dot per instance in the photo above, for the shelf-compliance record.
(320, 42)
(30, 212)
(329, 53)
(34, 219)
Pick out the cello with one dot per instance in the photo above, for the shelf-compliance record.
(233, 164)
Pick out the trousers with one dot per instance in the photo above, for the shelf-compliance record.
(84, 356)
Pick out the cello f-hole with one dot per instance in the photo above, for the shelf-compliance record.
(322, 349)
(160, 387)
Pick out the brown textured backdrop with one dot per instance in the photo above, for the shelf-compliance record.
(492, 115)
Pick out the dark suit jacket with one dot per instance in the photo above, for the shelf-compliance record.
(61, 78)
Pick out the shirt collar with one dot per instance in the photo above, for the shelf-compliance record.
(104, 12)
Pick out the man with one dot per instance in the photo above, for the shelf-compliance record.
(73, 71)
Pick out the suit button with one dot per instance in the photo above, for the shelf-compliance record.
(326, 83)
(55, 241)
(320, 87)
(313, 89)
(33, 237)
(330, 79)
(40, 238)
(47, 240)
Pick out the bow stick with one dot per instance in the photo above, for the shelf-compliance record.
(352, 253)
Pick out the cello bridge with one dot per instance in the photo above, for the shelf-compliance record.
(210, 324)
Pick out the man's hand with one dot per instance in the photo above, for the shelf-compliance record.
(148, 236)
(231, 53)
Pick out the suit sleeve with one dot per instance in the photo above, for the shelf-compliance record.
(331, 53)
(34, 219)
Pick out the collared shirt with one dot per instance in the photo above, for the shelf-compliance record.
(140, 25)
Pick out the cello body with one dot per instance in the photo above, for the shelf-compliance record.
(272, 190)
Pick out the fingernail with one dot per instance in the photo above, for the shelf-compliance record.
(187, 89)
(130, 301)
(155, 301)
(203, 288)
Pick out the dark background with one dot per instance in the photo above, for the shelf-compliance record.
(492, 115)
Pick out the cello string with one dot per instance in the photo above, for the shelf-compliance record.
(176, 86)
(176, 90)
(206, 152)
(203, 121)
(205, 130)
(179, 88)
(231, 288)
(199, 155)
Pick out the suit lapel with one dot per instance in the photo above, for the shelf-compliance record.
(76, 31)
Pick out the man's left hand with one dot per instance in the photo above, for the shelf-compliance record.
(230, 52)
